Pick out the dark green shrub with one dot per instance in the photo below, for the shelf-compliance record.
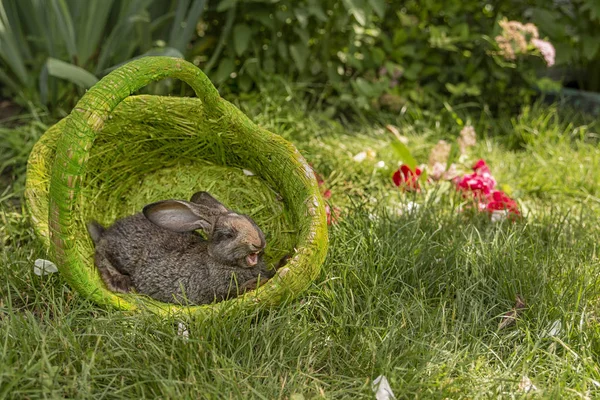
(353, 54)
(368, 54)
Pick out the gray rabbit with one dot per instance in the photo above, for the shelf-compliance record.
(157, 253)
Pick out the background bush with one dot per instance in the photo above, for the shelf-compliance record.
(353, 54)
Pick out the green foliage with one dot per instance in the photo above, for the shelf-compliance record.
(367, 54)
(80, 41)
(357, 55)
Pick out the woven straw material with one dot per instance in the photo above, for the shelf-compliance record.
(116, 152)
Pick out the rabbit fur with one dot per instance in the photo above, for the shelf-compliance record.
(158, 253)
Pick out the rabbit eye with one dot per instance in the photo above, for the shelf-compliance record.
(226, 234)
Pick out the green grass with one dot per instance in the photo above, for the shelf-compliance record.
(416, 297)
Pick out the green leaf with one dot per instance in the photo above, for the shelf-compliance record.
(546, 20)
(225, 5)
(365, 88)
(404, 155)
(299, 53)
(71, 73)
(282, 50)
(301, 16)
(242, 34)
(357, 9)
(378, 6)
(317, 11)
(264, 17)
(593, 6)
(378, 55)
(245, 83)
(226, 67)
(590, 46)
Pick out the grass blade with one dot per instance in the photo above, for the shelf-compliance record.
(9, 48)
(91, 22)
(70, 72)
(404, 154)
(182, 6)
(65, 26)
(18, 32)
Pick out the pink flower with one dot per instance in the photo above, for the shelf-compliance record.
(468, 138)
(547, 50)
(406, 178)
(480, 182)
(437, 171)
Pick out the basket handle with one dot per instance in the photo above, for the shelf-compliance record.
(88, 118)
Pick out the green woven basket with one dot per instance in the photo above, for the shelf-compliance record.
(116, 152)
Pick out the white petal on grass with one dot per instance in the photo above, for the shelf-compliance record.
(499, 215)
(362, 156)
(555, 328)
(411, 206)
(380, 164)
(526, 385)
(247, 172)
(382, 388)
(44, 267)
(182, 330)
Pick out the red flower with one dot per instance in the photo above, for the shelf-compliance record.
(332, 216)
(480, 182)
(498, 200)
(407, 178)
(481, 185)
(481, 167)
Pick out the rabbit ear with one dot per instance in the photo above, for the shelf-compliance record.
(178, 216)
(206, 200)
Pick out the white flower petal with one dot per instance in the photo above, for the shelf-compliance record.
(44, 267)
(499, 215)
(555, 328)
(360, 156)
(526, 385)
(247, 172)
(182, 330)
(382, 388)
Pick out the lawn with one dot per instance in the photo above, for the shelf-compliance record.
(414, 294)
